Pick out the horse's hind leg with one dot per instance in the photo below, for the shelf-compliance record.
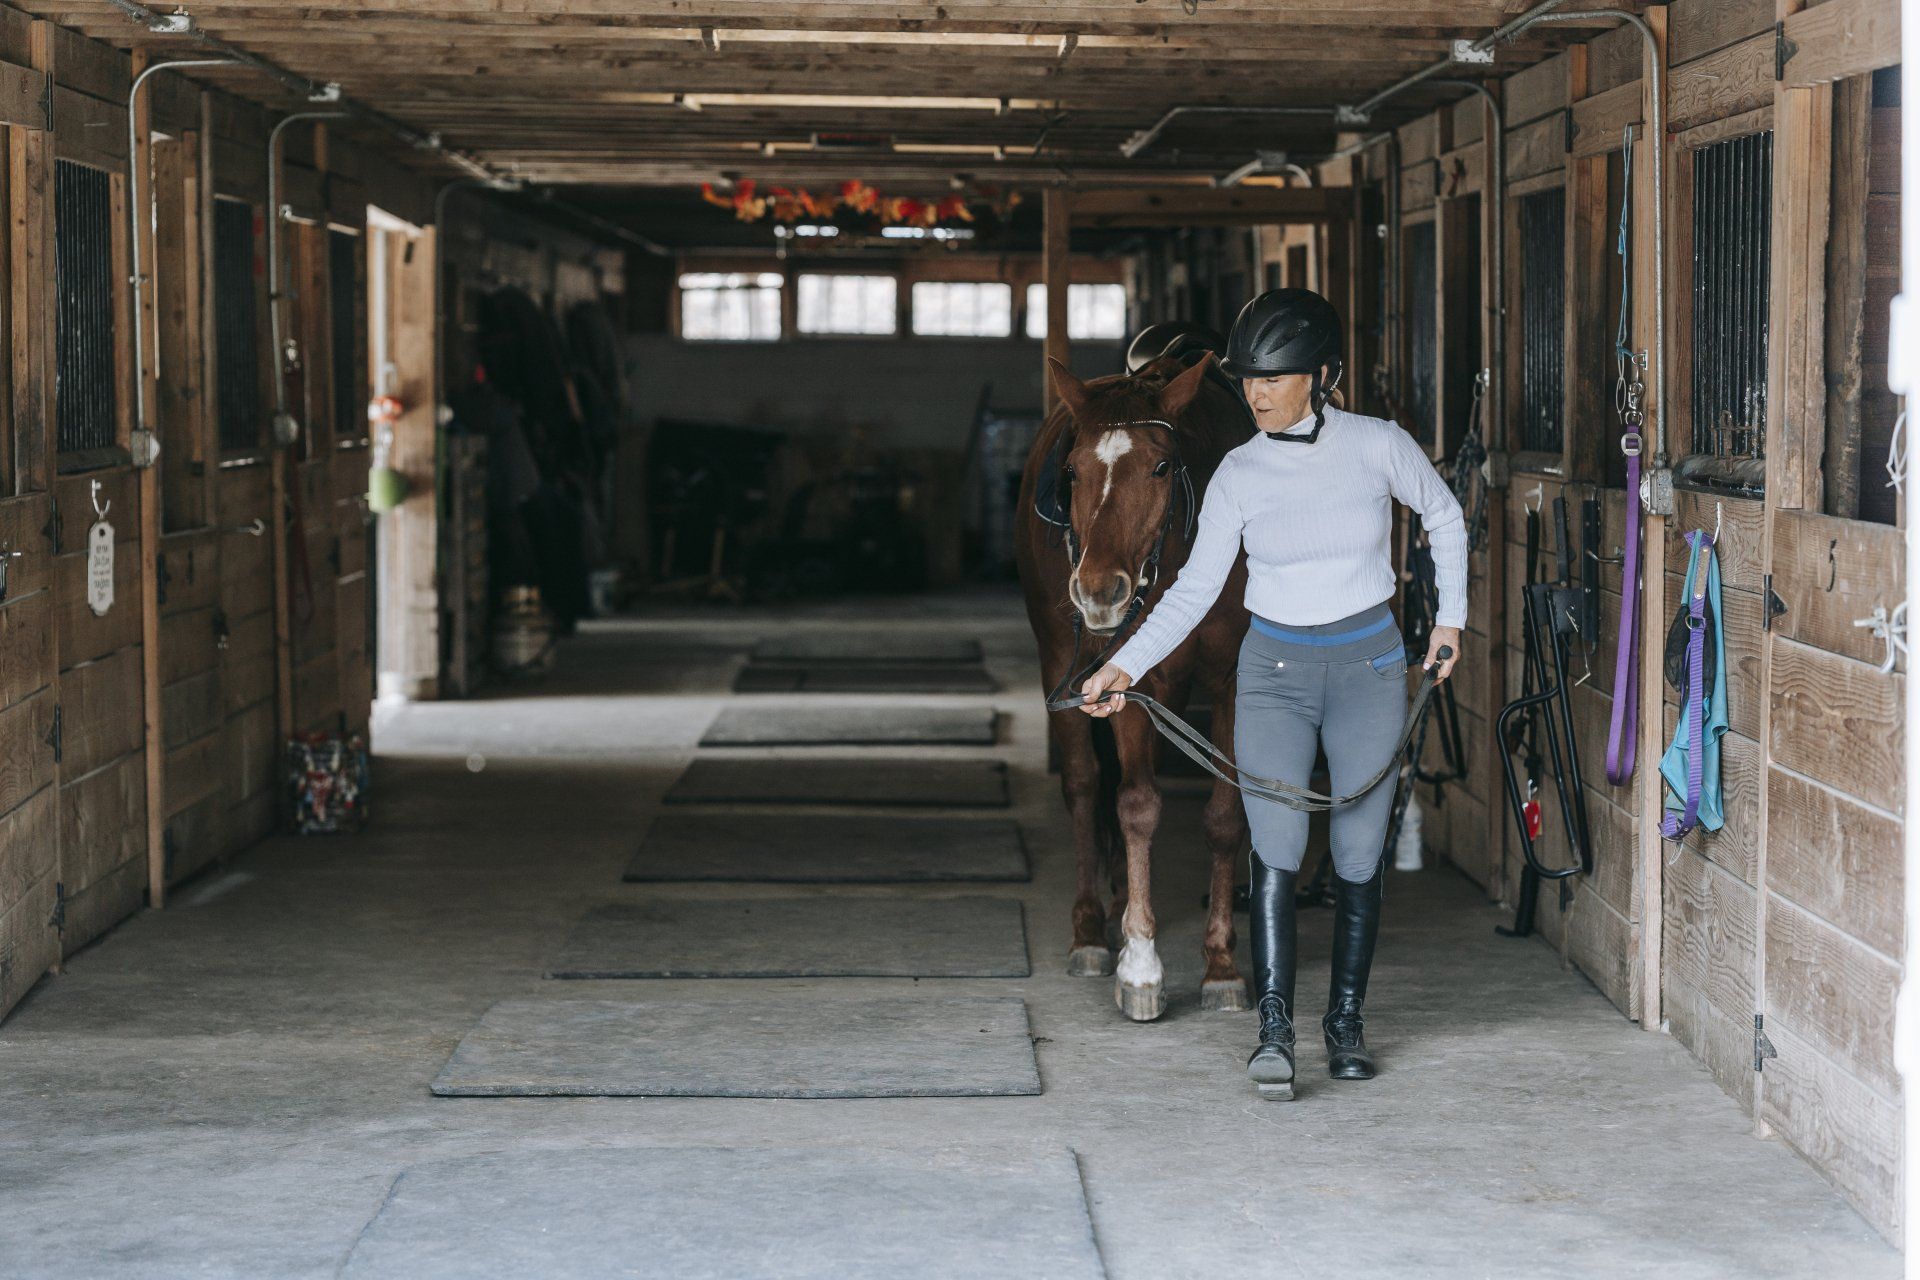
(1225, 825)
(1090, 957)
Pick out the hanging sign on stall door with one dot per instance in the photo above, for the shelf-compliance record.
(100, 567)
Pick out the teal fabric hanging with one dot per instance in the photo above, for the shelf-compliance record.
(1677, 766)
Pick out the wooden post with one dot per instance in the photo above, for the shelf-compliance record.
(1057, 215)
(1651, 852)
(140, 190)
(1493, 319)
(30, 177)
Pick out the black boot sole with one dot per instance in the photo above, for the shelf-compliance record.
(1272, 1075)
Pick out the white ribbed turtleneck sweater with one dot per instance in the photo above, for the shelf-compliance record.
(1316, 520)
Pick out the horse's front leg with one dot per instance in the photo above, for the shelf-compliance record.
(1223, 990)
(1089, 957)
(1140, 986)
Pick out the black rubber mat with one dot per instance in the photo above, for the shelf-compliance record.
(717, 1213)
(885, 649)
(947, 784)
(787, 725)
(828, 848)
(821, 936)
(797, 1045)
(771, 677)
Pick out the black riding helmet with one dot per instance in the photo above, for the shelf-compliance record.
(1287, 331)
(1181, 339)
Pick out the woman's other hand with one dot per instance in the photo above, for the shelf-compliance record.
(1443, 638)
(1107, 680)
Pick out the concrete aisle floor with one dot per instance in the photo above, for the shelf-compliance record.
(229, 1087)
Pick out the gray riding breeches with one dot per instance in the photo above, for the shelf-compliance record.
(1342, 687)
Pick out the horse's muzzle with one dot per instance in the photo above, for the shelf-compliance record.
(1105, 611)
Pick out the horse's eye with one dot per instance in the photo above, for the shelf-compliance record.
(1069, 471)
(1166, 465)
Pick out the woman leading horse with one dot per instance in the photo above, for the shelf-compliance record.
(1323, 665)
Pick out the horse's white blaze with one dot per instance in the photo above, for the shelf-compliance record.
(1139, 964)
(1113, 446)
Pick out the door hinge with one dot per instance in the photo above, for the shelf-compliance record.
(46, 100)
(160, 577)
(1568, 117)
(1783, 51)
(1762, 1047)
(56, 735)
(51, 529)
(1775, 605)
(59, 918)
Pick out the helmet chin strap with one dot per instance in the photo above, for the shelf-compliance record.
(1317, 396)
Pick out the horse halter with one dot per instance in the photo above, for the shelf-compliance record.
(1061, 517)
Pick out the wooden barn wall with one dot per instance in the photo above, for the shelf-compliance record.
(143, 742)
(1789, 913)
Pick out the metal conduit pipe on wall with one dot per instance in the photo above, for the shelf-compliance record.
(285, 428)
(136, 212)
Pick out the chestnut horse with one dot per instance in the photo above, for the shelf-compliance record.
(1121, 466)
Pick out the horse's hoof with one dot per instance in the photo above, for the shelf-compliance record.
(1142, 1004)
(1089, 962)
(1228, 996)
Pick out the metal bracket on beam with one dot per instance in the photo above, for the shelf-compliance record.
(1351, 117)
(1656, 492)
(1467, 53)
(328, 92)
(177, 23)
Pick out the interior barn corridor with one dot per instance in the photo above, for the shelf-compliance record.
(257, 1061)
(547, 548)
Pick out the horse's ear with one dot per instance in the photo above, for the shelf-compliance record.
(1072, 391)
(1178, 394)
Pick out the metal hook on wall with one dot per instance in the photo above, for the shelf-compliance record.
(99, 510)
(1534, 498)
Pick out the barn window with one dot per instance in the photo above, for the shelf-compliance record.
(1543, 340)
(949, 309)
(734, 306)
(1423, 353)
(1732, 208)
(236, 324)
(848, 304)
(343, 295)
(1095, 312)
(83, 329)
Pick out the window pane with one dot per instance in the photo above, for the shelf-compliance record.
(947, 309)
(847, 304)
(1094, 311)
(730, 307)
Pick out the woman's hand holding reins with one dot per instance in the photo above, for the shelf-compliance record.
(1107, 680)
(1443, 637)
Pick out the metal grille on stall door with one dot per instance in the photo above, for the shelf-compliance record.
(83, 323)
(343, 295)
(236, 324)
(1732, 222)
(1422, 324)
(1543, 341)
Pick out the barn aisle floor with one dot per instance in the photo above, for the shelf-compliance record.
(231, 1086)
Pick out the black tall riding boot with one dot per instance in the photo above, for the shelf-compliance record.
(1270, 924)
(1356, 927)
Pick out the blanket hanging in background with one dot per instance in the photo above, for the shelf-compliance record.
(1697, 666)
